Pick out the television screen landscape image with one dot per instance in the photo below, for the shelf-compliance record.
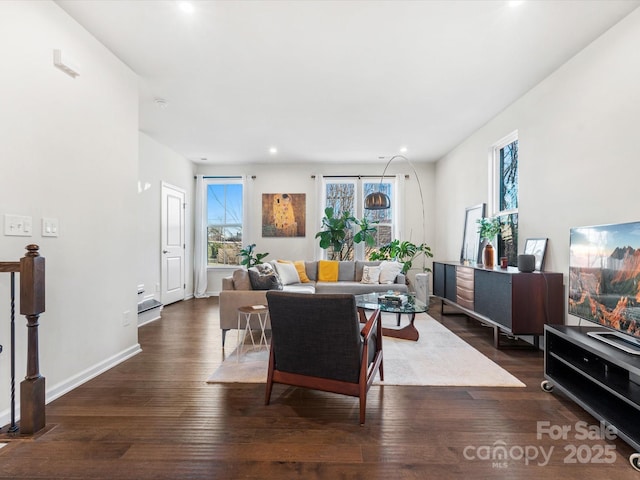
(604, 275)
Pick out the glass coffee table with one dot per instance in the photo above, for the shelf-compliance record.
(370, 301)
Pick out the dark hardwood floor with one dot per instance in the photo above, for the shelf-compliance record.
(154, 417)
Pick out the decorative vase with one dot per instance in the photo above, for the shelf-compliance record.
(489, 255)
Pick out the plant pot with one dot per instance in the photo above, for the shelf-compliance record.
(489, 256)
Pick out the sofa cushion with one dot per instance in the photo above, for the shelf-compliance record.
(328, 270)
(357, 288)
(389, 271)
(360, 264)
(346, 271)
(287, 272)
(241, 280)
(300, 288)
(264, 277)
(312, 270)
(302, 271)
(370, 274)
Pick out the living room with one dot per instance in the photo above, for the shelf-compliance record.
(72, 150)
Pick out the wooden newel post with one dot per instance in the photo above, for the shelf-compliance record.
(32, 388)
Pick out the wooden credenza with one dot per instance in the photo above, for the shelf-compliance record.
(508, 300)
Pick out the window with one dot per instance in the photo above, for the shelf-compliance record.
(504, 194)
(348, 194)
(385, 218)
(224, 220)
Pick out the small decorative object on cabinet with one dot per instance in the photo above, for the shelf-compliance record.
(488, 228)
(602, 379)
(489, 255)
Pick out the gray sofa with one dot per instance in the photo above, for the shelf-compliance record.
(237, 293)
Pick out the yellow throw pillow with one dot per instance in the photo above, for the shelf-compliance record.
(302, 271)
(328, 270)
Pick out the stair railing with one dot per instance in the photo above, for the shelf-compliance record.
(31, 268)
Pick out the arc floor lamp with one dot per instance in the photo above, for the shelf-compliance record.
(381, 201)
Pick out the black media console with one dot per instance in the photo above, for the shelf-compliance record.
(601, 378)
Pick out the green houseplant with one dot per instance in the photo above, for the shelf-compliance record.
(338, 234)
(488, 228)
(404, 252)
(249, 258)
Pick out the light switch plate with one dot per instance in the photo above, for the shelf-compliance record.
(49, 227)
(17, 225)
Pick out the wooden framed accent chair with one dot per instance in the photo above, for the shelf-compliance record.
(323, 342)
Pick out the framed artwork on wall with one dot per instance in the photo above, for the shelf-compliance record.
(283, 214)
(470, 252)
(536, 247)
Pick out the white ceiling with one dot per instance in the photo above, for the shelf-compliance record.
(335, 81)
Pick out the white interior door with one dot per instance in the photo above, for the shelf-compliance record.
(173, 246)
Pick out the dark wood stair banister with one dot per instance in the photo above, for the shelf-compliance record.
(32, 303)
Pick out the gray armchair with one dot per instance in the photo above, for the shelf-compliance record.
(323, 342)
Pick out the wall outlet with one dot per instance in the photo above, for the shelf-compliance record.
(157, 287)
(125, 318)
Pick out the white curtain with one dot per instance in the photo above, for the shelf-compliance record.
(200, 242)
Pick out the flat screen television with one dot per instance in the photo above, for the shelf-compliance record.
(604, 281)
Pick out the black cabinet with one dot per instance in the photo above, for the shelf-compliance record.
(444, 281)
(493, 296)
(439, 280)
(602, 379)
(515, 302)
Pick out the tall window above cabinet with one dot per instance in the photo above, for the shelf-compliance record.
(503, 194)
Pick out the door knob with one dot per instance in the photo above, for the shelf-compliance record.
(165, 251)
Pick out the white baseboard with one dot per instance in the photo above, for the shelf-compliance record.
(147, 320)
(66, 386)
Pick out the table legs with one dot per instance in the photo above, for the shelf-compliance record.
(246, 316)
(410, 332)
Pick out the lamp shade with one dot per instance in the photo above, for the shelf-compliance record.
(377, 201)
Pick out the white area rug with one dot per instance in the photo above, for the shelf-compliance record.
(439, 357)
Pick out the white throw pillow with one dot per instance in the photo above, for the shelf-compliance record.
(370, 274)
(389, 271)
(287, 273)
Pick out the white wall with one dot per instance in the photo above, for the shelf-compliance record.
(68, 149)
(579, 150)
(297, 178)
(159, 164)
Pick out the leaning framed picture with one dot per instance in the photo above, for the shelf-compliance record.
(470, 252)
(536, 247)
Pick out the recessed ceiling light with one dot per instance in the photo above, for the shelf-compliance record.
(403, 149)
(186, 7)
(515, 3)
(273, 150)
